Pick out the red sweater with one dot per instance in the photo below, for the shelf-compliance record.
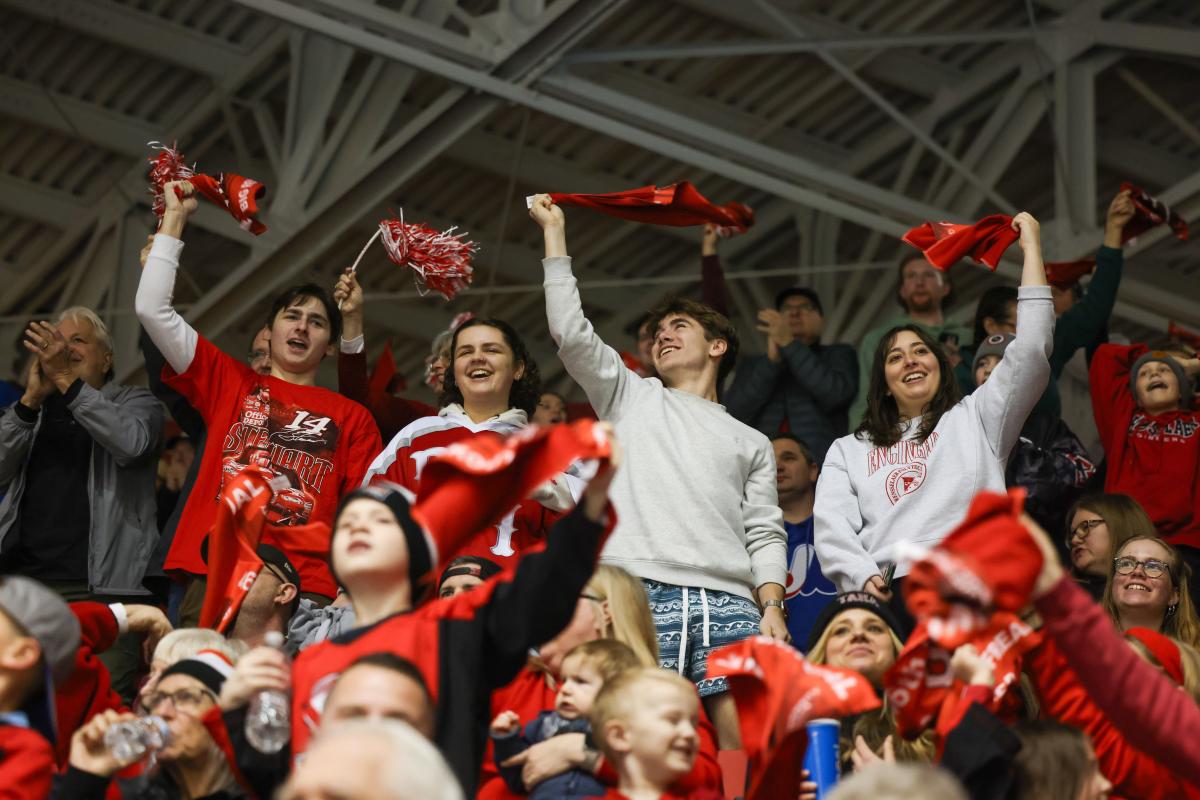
(1139, 701)
(1153, 458)
(26, 764)
(530, 694)
(1133, 774)
(89, 689)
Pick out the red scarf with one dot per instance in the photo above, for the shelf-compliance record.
(777, 692)
(236, 194)
(966, 590)
(944, 243)
(1150, 212)
(678, 204)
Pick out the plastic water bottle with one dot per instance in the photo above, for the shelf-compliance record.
(130, 741)
(269, 720)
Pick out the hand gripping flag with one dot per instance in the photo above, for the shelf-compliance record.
(236, 194)
(777, 693)
(944, 243)
(967, 590)
(441, 260)
(233, 563)
(473, 483)
(679, 204)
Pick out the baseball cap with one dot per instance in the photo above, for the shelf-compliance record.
(271, 556)
(39, 612)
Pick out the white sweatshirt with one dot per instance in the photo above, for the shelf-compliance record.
(695, 497)
(870, 500)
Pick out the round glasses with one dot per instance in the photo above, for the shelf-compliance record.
(1125, 565)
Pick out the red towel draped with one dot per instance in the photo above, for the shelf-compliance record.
(679, 204)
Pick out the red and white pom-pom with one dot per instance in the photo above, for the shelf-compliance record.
(165, 167)
(441, 259)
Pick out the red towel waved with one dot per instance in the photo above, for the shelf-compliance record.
(234, 193)
(679, 204)
(777, 693)
(1065, 274)
(944, 243)
(233, 563)
(1150, 212)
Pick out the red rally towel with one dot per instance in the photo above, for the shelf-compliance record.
(233, 563)
(1065, 274)
(777, 693)
(944, 243)
(474, 482)
(966, 590)
(679, 204)
(236, 194)
(1182, 334)
(1150, 212)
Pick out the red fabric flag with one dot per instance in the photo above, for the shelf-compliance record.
(233, 563)
(679, 204)
(966, 590)
(385, 368)
(1150, 212)
(472, 483)
(1182, 334)
(944, 243)
(922, 690)
(777, 692)
(1065, 274)
(236, 194)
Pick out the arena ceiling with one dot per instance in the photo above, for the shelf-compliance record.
(842, 122)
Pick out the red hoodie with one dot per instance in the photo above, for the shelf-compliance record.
(1153, 458)
(1141, 702)
(1133, 773)
(89, 689)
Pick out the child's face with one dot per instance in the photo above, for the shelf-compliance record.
(368, 540)
(1157, 388)
(580, 684)
(661, 731)
(984, 370)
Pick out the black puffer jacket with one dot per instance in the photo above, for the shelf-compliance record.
(1052, 466)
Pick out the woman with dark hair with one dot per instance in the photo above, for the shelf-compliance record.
(907, 474)
(491, 387)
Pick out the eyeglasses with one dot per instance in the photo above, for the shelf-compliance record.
(1085, 527)
(182, 699)
(1153, 568)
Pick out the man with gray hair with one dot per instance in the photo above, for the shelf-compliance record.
(77, 459)
(383, 760)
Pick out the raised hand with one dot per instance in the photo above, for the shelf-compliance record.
(1030, 231)
(972, 668)
(545, 213)
(37, 386)
(708, 245)
(44, 341)
(149, 621)
(1120, 211)
(177, 209)
(348, 295)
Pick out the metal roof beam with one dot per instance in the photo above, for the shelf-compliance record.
(113, 131)
(137, 30)
(1160, 39)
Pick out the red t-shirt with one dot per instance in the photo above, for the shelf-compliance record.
(320, 440)
(401, 462)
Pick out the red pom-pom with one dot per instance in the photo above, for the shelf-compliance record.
(441, 259)
(165, 167)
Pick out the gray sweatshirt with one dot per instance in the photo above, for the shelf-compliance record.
(873, 500)
(695, 497)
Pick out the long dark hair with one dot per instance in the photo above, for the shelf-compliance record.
(525, 390)
(881, 424)
(993, 303)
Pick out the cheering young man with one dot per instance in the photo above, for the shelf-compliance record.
(698, 516)
(320, 441)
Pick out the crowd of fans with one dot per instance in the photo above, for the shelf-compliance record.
(559, 643)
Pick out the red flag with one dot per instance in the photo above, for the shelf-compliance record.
(922, 690)
(944, 243)
(233, 563)
(1190, 338)
(777, 692)
(1150, 212)
(679, 204)
(1065, 274)
(385, 368)
(473, 483)
(236, 194)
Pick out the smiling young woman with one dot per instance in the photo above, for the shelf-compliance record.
(1148, 588)
(909, 471)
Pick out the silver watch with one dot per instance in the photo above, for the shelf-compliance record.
(776, 604)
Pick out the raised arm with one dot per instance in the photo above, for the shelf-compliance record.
(1004, 402)
(594, 365)
(1113, 403)
(169, 332)
(713, 289)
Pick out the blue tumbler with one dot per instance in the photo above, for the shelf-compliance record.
(821, 758)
